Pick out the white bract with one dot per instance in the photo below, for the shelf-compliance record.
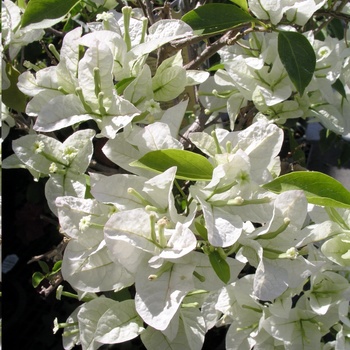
(65, 163)
(154, 253)
(14, 37)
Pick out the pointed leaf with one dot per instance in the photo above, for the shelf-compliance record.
(298, 58)
(220, 266)
(320, 189)
(339, 87)
(214, 18)
(242, 4)
(39, 10)
(190, 166)
(57, 266)
(45, 268)
(37, 278)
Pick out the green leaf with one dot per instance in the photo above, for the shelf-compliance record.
(123, 84)
(13, 97)
(320, 189)
(220, 266)
(37, 278)
(335, 29)
(241, 3)
(202, 230)
(56, 267)
(214, 18)
(339, 87)
(44, 267)
(215, 67)
(298, 58)
(38, 10)
(190, 166)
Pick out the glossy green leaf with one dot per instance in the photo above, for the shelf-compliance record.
(202, 230)
(298, 58)
(220, 266)
(339, 87)
(241, 3)
(214, 18)
(190, 166)
(216, 67)
(320, 189)
(38, 10)
(57, 267)
(123, 84)
(37, 277)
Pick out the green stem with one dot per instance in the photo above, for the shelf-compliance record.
(54, 51)
(126, 10)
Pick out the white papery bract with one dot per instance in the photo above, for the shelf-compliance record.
(86, 264)
(177, 257)
(163, 281)
(14, 37)
(104, 320)
(258, 75)
(298, 11)
(65, 162)
(81, 89)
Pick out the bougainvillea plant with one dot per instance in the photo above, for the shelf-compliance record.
(195, 225)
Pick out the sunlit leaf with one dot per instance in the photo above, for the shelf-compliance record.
(190, 166)
(241, 3)
(39, 10)
(320, 189)
(214, 18)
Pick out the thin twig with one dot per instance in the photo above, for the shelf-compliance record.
(149, 11)
(229, 38)
(45, 292)
(55, 32)
(210, 50)
(54, 254)
(196, 126)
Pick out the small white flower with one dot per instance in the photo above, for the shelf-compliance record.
(53, 168)
(38, 147)
(84, 222)
(104, 16)
(152, 106)
(69, 153)
(292, 253)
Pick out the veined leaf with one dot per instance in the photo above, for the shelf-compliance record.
(214, 18)
(38, 10)
(298, 58)
(320, 189)
(190, 166)
(220, 266)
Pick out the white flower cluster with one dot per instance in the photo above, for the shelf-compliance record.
(253, 72)
(225, 251)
